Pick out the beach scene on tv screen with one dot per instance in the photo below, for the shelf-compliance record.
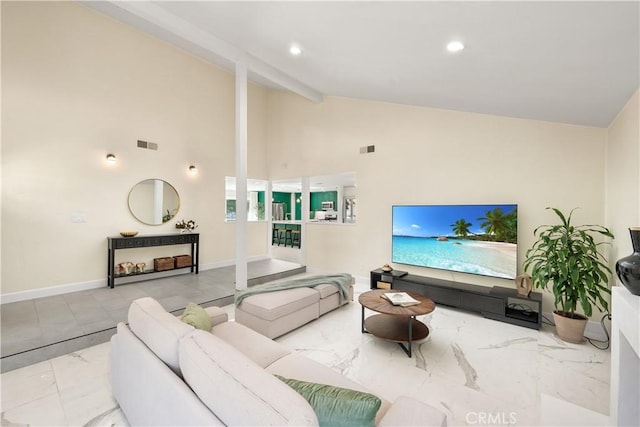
(476, 239)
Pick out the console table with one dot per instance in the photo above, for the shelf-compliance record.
(116, 243)
(497, 303)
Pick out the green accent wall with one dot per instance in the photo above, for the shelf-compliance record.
(316, 202)
(322, 196)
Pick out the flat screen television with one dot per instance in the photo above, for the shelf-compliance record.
(475, 239)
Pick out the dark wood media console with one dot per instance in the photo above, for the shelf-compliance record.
(497, 303)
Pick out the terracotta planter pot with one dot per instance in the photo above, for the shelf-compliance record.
(570, 329)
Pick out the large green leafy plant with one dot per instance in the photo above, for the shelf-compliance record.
(567, 258)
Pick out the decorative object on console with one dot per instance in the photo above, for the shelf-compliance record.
(163, 264)
(628, 268)
(186, 226)
(524, 284)
(386, 268)
(128, 233)
(140, 267)
(566, 259)
(183, 261)
(126, 267)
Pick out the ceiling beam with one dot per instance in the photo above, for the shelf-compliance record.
(178, 27)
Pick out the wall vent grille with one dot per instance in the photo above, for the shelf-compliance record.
(367, 149)
(147, 145)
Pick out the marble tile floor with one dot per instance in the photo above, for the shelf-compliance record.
(478, 371)
(43, 328)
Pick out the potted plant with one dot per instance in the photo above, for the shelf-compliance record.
(566, 258)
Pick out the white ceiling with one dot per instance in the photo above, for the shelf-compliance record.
(570, 62)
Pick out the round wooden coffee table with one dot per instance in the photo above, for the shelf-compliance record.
(395, 323)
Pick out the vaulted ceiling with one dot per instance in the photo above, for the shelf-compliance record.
(569, 62)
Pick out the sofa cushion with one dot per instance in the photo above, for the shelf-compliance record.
(237, 390)
(159, 330)
(337, 406)
(326, 290)
(255, 346)
(195, 316)
(273, 305)
(302, 368)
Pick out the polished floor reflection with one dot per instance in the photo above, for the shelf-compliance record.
(474, 369)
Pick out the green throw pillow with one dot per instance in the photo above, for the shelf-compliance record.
(335, 406)
(195, 316)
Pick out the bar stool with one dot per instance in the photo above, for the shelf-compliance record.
(281, 235)
(275, 237)
(288, 237)
(296, 238)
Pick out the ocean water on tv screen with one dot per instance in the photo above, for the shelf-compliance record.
(466, 256)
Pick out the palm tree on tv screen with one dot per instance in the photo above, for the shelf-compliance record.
(461, 227)
(499, 226)
(494, 223)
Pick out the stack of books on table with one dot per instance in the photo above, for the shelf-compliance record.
(400, 298)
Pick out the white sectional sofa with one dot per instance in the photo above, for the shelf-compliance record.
(165, 372)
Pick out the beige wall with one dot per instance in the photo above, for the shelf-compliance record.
(78, 85)
(431, 156)
(623, 176)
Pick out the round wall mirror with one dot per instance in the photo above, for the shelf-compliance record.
(153, 201)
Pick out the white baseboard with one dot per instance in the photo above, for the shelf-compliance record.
(51, 291)
(93, 284)
(593, 330)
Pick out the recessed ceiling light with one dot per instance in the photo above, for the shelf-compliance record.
(295, 50)
(455, 46)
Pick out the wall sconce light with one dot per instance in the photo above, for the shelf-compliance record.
(111, 158)
(298, 200)
(193, 169)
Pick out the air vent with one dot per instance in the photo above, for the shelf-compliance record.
(147, 145)
(367, 149)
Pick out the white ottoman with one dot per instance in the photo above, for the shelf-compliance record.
(275, 313)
